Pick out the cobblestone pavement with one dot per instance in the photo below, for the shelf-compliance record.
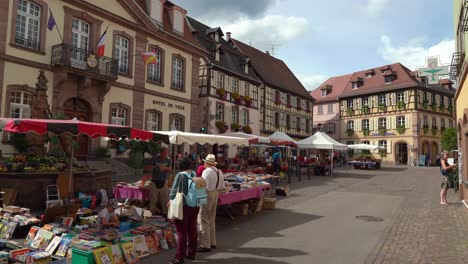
(416, 229)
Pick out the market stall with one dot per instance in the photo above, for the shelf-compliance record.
(364, 162)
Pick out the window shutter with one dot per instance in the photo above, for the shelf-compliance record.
(359, 103)
(407, 121)
(387, 99)
(371, 124)
(389, 122)
(356, 125)
(344, 105)
(375, 143)
(406, 95)
(393, 98)
(394, 122)
(376, 101)
(376, 124)
(273, 118)
(389, 146)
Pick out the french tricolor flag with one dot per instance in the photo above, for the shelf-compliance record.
(101, 44)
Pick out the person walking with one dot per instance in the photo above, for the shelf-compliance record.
(159, 192)
(187, 227)
(207, 217)
(445, 170)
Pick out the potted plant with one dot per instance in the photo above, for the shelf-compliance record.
(221, 92)
(382, 131)
(425, 129)
(382, 107)
(425, 103)
(247, 129)
(434, 130)
(401, 129)
(442, 129)
(221, 126)
(442, 108)
(450, 109)
(383, 153)
(277, 100)
(349, 132)
(235, 127)
(236, 96)
(350, 111)
(365, 131)
(400, 105)
(247, 100)
(365, 109)
(434, 106)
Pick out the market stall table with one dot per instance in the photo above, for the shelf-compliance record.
(131, 192)
(364, 164)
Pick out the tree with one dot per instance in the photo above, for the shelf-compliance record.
(449, 139)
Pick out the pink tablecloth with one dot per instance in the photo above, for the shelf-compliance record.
(233, 197)
(124, 192)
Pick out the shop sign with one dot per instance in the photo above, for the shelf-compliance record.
(170, 105)
(386, 134)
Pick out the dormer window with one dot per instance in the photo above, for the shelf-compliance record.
(388, 79)
(355, 85)
(156, 10)
(324, 92)
(246, 68)
(177, 19)
(370, 73)
(356, 82)
(326, 89)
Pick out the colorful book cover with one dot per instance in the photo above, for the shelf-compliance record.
(117, 254)
(31, 235)
(3, 229)
(163, 243)
(67, 221)
(141, 248)
(53, 245)
(19, 254)
(152, 247)
(11, 226)
(64, 245)
(48, 227)
(103, 256)
(129, 252)
(169, 236)
(42, 239)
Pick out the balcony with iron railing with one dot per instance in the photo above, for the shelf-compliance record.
(84, 61)
(457, 65)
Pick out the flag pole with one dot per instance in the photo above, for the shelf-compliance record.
(95, 47)
(55, 25)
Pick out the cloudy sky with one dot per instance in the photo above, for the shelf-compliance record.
(320, 39)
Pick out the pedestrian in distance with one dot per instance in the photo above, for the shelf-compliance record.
(445, 170)
(159, 192)
(207, 217)
(187, 227)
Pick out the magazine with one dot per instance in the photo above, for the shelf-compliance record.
(53, 245)
(103, 256)
(42, 239)
(169, 236)
(31, 235)
(129, 252)
(141, 248)
(117, 254)
(19, 254)
(152, 247)
(10, 229)
(64, 245)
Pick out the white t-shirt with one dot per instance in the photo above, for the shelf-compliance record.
(105, 214)
(211, 177)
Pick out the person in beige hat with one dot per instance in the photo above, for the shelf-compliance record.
(207, 216)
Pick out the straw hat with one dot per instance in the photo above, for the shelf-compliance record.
(211, 159)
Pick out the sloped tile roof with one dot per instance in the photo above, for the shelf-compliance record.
(337, 84)
(273, 71)
(229, 59)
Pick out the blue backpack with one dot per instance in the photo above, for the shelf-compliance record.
(196, 193)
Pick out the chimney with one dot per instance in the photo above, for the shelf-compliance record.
(267, 52)
(446, 83)
(228, 36)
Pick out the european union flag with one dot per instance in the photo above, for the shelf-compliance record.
(51, 23)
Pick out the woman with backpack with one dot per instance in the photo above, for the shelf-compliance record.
(187, 227)
(445, 170)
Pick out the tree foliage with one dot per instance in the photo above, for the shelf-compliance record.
(449, 139)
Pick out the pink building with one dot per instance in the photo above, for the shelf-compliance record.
(326, 107)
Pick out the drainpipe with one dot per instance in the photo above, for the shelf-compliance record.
(208, 91)
(263, 104)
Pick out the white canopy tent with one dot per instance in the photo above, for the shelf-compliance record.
(321, 140)
(178, 137)
(363, 147)
(250, 137)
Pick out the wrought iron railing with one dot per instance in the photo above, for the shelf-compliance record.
(80, 59)
(456, 65)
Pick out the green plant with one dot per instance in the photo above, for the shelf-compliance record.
(247, 100)
(442, 108)
(365, 109)
(382, 107)
(433, 106)
(235, 127)
(448, 139)
(365, 131)
(221, 125)
(350, 111)
(136, 154)
(434, 131)
(400, 105)
(349, 132)
(383, 153)
(425, 129)
(101, 152)
(401, 129)
(450, 109)
(425, 103)
(247, 129)
(382, 131)
(19, 142)
(221, 92)
(350, 152)
(236, 96)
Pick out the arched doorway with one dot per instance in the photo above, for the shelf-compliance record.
(79, 108)
(425, 148)
(401, 153)
(434, 152)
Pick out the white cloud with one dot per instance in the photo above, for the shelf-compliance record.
(414, 54)
(311, 82)
(375, 7)
(266, 31)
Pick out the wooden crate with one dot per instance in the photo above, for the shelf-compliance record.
(269, 203)
(240, 209)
